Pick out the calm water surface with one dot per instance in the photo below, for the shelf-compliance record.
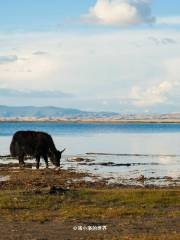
(158, 146)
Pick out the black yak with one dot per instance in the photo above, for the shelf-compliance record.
(35, 144)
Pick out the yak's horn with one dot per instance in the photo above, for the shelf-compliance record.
(63, 150)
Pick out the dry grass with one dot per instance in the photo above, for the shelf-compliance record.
(90, 203)
(133, 213)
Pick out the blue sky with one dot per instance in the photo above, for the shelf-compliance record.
(112, 55)
(39, 14)
(165, 8)
(47, 15)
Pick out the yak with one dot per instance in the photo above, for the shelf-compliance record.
(35, 144)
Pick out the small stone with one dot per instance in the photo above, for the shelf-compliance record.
(57, 190)
(141, 178)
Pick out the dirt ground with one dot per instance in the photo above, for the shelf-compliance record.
(49, 204)
(63, 230)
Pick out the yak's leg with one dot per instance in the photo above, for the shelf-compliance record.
(37, 162)
(46, 160)
(21, 161)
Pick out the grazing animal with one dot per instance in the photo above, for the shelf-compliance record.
(35, 144)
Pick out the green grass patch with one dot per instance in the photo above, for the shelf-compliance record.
(89, 203)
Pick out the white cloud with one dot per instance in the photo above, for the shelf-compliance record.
(120, 12)
(171, 20)
(115, 66)
(152, 96)
(26, 69)
(158, 93)
(39, 53)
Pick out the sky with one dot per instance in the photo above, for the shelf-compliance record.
(95, 55)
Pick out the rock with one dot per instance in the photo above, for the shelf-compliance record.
(107, 164)
(50, 190)
(57, 190)
(141, 178)
(78, 159)
(168, 178)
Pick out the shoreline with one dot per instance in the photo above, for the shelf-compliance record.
(88, 177)
(116, 121)
(10, 172)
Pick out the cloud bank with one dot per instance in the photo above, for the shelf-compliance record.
(170, 20)
(120, 13)
(158, 93)
(99, 69)
(7, 92)
(8, 59)
(152, 96)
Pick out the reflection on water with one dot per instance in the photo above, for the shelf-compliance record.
(131, 166)
(158, 147)
(164, 143)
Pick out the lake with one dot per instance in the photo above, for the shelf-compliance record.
(152, 150)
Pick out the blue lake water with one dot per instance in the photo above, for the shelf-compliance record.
(153, 150)
(7, 129)
(106, 137)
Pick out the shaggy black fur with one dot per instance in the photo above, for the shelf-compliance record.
(35, 144)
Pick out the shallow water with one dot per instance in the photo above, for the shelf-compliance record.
(152, 150)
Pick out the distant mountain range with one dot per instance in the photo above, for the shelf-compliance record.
(49, 112)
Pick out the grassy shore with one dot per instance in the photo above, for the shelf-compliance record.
(47, 204)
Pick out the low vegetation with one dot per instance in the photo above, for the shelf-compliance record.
(132, 213)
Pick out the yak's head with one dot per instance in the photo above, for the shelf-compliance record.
(56, 157)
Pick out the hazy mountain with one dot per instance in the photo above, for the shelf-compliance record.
(74, 114)
(49, 112)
